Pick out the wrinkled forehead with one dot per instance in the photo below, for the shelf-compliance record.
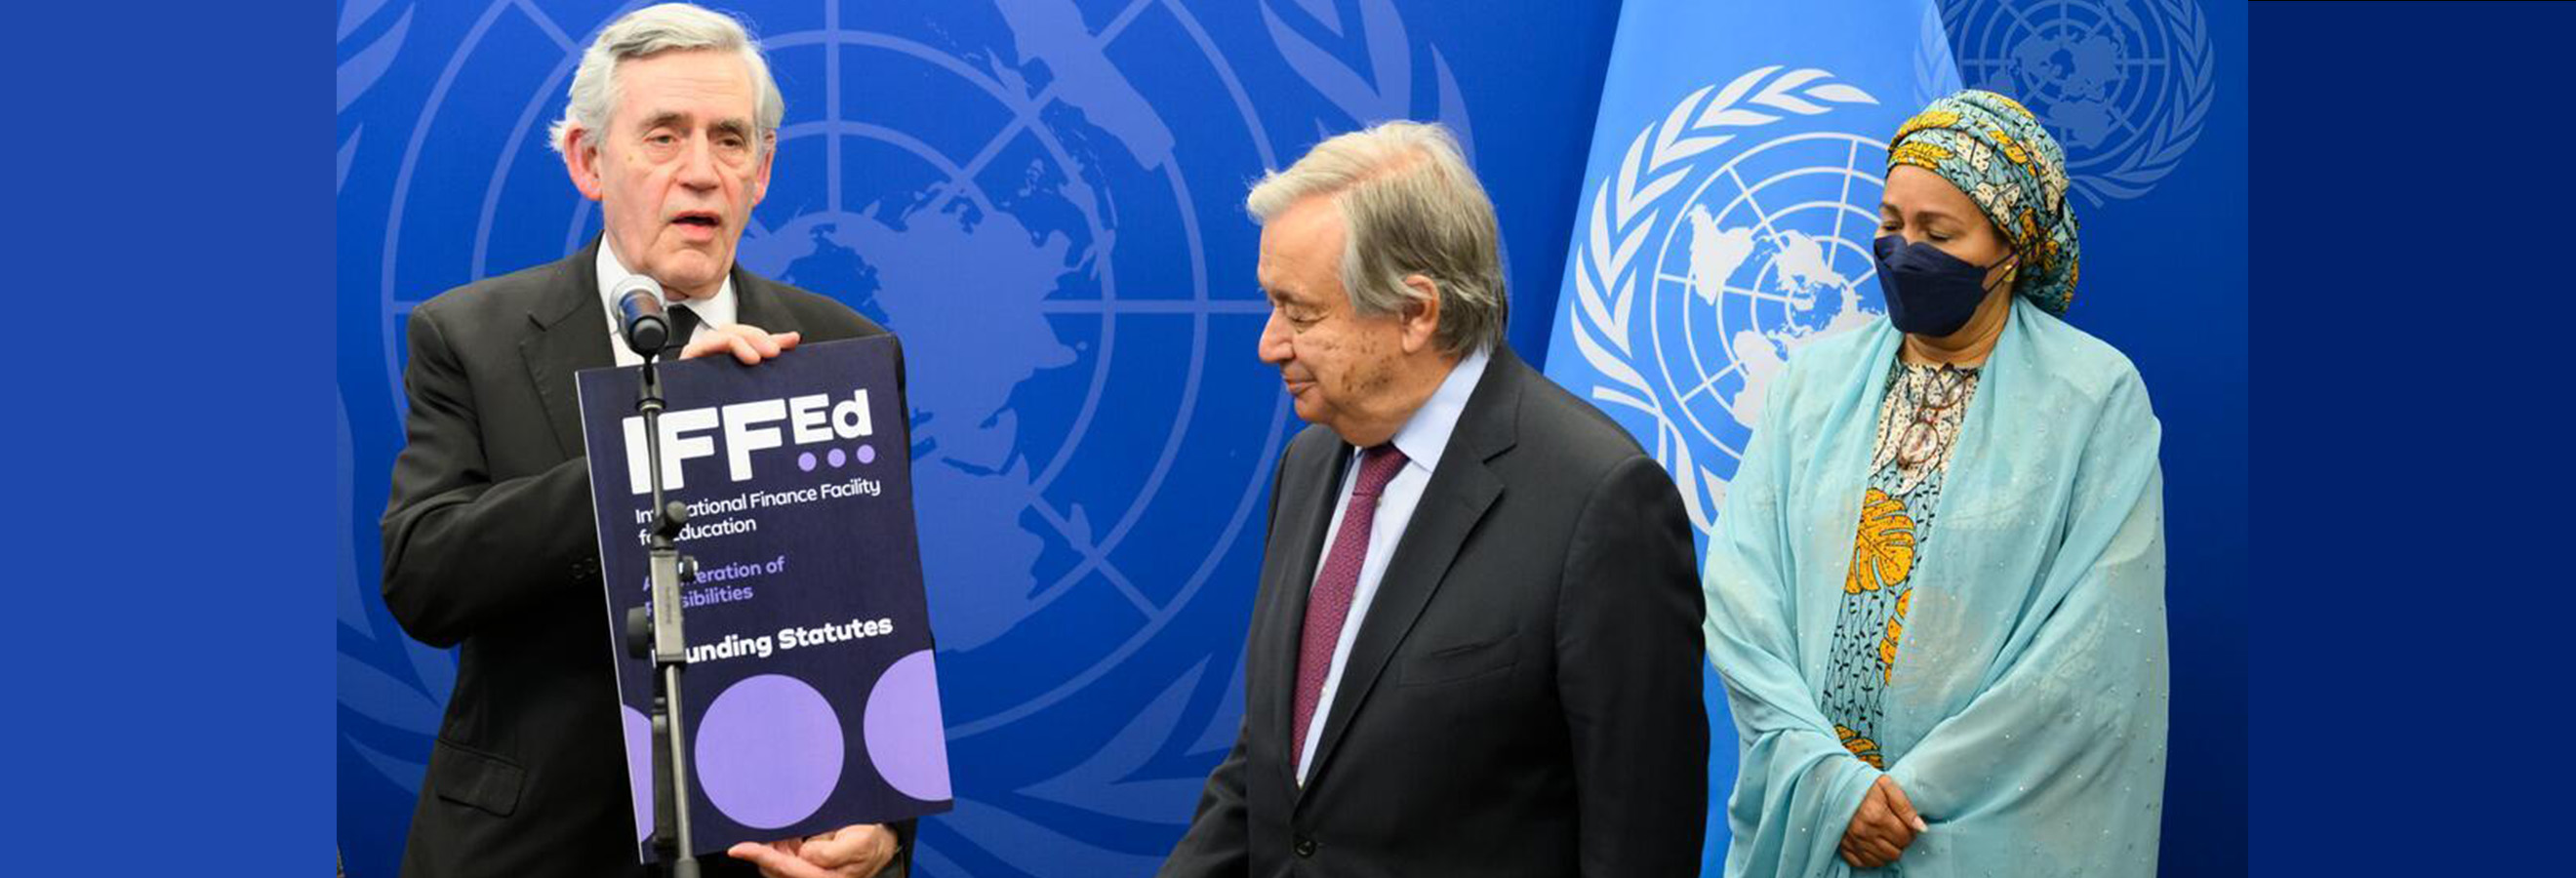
(1301, 247)
(694, 86)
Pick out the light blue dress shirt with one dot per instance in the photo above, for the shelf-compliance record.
(1422, 438)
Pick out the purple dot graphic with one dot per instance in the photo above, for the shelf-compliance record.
(639, 767)
(805, 461)
(906, 738)
(769, 751)
(838, 458)
(867, 454)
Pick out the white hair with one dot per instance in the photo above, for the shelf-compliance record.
(1409, 206)
(652, 30)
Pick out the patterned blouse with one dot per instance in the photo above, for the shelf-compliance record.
(1918, 425)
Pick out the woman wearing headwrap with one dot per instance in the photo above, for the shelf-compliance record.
(1936, 592)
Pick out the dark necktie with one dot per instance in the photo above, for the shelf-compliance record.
(684, 322)
(1328, 604)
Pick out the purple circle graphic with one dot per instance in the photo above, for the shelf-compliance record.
(769, 751)
(906, 738)
(805, 461)
(867, 454)
(838, 458)
(639, 767)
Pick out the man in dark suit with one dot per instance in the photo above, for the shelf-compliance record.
(1476, 646)
(489, 536)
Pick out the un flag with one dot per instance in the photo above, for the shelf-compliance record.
(1726, 218)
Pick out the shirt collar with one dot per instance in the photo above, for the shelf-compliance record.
(719, 310)
(1426, 434)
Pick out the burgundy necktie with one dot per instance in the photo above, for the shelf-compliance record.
(1329, 602)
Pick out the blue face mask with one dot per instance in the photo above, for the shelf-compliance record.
(1929, 293)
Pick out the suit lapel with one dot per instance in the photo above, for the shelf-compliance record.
(757, 303)
(571, 334)
(1459, 494)
(568, 333)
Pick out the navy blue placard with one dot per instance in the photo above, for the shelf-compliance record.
(809, 695)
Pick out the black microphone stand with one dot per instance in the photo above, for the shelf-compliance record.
(654, 632)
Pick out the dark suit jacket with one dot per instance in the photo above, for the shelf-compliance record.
(1523, 697)
(490, 543)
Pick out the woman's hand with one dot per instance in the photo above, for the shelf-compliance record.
(1881, 829)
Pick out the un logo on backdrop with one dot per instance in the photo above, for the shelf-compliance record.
(1700, 271)
(1059, 242)
(2124, 85)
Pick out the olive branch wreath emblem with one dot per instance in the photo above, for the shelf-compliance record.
(2178, 127)
(1628, 205)
(2181, 109)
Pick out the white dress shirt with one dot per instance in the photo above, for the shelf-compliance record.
(718, 310)
(1422, 438)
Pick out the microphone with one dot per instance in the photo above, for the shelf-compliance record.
(640, 317)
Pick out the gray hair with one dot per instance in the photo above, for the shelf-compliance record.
(1409, 206)
(653, 30)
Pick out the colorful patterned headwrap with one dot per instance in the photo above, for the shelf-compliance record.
(1996, 152)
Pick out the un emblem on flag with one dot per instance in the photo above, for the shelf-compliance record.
(1720, 246)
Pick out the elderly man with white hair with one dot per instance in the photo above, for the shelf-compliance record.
(488, 541)
(1476, 646)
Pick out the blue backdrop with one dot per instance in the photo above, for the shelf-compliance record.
(1042, 197)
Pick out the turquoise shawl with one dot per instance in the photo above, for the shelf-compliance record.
(2025, 717)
